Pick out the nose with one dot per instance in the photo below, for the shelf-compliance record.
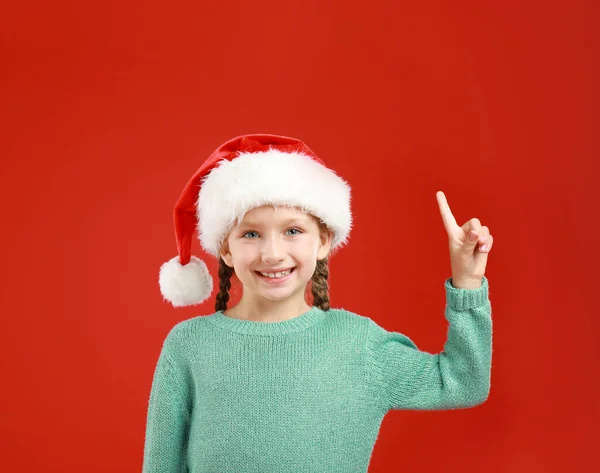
(272, 250)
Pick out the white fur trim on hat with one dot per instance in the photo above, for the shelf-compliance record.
(270, 177)
(185, 285)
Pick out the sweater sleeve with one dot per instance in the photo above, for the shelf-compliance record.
(168, 420)
(458, 377)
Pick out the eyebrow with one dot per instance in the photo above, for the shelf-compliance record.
(296, 220)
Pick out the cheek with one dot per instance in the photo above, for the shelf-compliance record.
(307, 252)
(308, 256)
(243, 258)
(240, 262)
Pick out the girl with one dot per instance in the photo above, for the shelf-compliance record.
(275, 384)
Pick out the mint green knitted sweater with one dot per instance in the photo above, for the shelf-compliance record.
(306, 394)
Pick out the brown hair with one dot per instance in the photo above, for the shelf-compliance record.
(319, 282)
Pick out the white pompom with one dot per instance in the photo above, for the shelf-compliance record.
(185, 285)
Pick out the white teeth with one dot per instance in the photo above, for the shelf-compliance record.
(277, 275)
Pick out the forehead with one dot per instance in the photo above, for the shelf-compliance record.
(270, 214)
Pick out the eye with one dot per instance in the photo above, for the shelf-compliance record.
(252, 235)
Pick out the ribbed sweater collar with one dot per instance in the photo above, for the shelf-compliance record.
(301, 322)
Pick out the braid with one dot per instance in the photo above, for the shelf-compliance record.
(225, 273)
(320, 286)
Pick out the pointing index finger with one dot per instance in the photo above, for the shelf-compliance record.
(447, 217)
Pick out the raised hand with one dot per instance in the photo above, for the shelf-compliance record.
(469, 247)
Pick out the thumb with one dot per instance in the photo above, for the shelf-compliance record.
(471, 241)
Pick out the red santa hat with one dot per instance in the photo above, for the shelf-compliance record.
(243, 173)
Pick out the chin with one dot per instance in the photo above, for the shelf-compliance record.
(280, 295)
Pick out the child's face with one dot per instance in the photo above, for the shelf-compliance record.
(271, 240)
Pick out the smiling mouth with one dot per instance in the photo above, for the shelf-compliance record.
(276, 275)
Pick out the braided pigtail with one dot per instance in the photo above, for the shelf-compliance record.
(320, 286)
(225, 273)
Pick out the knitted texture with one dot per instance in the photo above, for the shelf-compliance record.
(306, 394)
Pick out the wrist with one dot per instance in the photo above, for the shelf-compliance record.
(466, 283)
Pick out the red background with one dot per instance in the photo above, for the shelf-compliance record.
(109, 108)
